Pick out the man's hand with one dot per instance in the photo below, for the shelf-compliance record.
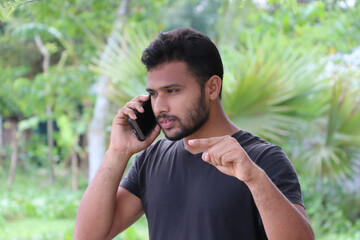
(226, 154)
(106, 209)
(122, 137)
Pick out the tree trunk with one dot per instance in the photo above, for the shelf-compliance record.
(50, 142)
(1, 141)
(97, 127)
(74, 170)
(96, 132)
(50, 135)
(14, 155)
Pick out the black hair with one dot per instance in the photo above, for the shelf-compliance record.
(199, 53)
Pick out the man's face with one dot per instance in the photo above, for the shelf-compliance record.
(177, 100)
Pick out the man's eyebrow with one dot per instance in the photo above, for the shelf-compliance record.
(165, 87)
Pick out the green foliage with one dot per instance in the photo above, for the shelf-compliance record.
(9, 104)
(271, 81)
(139, 231)
(122, 65)
(38, 229)
(326, 205)
(336, 154)
(67, 135)
(13, 5)
(34, 209)
(36, 154)
(65, 89)
(273, 59)
(352, 235)
(311, 25)
(341, 25)
(32, 29)
(44, 201)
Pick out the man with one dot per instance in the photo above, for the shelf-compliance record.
(208, 179)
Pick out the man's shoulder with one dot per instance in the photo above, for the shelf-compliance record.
(258, 148)
(249, 140)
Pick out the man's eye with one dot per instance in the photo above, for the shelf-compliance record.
(173, 90)
(152, 94)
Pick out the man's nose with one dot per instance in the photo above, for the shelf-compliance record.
(160, 105)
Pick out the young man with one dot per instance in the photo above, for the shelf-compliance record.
(208, 179)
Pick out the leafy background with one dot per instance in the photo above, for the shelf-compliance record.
(291, 77)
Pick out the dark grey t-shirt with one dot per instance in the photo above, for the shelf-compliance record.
(186, 198)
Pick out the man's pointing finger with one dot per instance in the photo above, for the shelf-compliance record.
(205, 142)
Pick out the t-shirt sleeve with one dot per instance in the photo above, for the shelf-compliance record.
(131, 180)
(282, 173)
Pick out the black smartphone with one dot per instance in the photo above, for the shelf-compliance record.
(145, 122)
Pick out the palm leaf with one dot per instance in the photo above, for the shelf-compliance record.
(336, 156)
(270, 87)
(122, 65)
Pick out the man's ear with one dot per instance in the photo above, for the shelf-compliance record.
(213, 87)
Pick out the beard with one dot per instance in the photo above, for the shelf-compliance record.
(194, 119)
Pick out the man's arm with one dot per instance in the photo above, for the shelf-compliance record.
(107, 209)
(281, 219)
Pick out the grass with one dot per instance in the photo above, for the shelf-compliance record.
(59, 229)
(34, 209)
(33, 228)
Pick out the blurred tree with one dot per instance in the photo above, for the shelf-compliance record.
(1, 142)
(49, 110)
(11, 111)
(45, 111)
(72, 38)
(96, 132)
(271, 88)
(333, 150)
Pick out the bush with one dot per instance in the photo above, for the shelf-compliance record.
(32, 197)
(328, 212)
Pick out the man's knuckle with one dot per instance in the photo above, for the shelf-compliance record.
(222, 160)
(217, 156)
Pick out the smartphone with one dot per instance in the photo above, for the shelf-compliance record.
(145, 122)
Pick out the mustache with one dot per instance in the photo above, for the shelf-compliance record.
(166, 116)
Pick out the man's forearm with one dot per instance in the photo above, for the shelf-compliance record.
(281, 219)
(96, 210)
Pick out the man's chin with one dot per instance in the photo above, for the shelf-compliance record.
(172, 138)
(175, 136)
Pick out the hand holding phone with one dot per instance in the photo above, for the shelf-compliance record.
(145, 122)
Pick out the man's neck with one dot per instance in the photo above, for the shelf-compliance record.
(217, 125)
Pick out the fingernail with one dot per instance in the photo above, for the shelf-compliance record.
(191, 142)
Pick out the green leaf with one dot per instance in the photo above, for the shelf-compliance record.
(268, 84)
(12, 10)
(67, 135)
(120, 62)
(30, 123)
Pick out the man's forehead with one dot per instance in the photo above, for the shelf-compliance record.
(169, 75)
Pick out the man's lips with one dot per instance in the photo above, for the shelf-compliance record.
(166, 123)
